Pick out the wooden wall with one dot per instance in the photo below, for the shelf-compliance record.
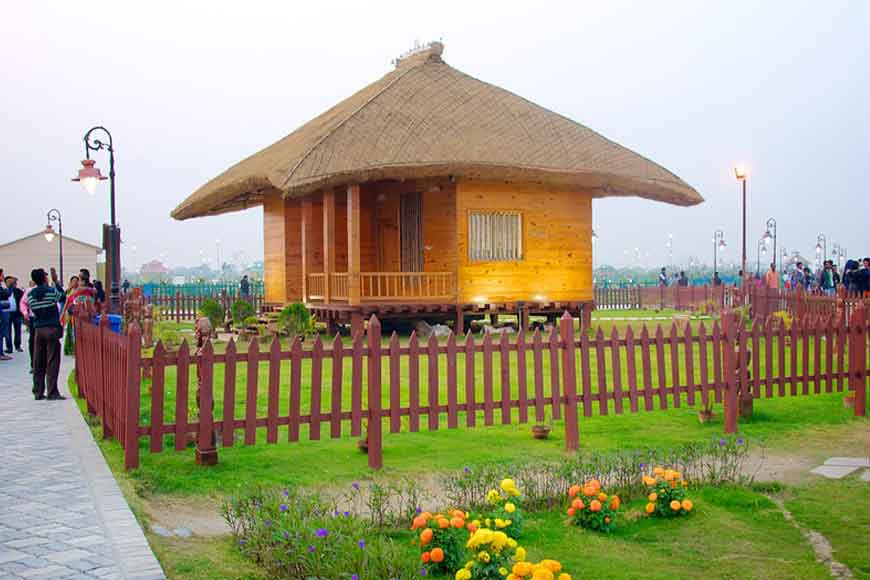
(275, 242)
(293, 249)
(439, 230)
(557, 244)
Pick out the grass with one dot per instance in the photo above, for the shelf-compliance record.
(839, 510)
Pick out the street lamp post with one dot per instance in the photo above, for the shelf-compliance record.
(718, 243)
(822, 247)
(90, 176)
(759, 250)
(740, 174)
(670, 250)
(53, 215)
(770, 234)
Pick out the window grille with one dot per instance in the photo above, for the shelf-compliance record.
(495, 236)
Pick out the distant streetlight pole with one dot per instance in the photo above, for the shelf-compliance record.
(53, 215)
(822, 247)
(760, 250)
(90, 176)
(741, 175)
(670, 245)
(220, 268)
(718, 243)
(770, 234)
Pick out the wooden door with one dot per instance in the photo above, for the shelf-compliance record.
(411, 231)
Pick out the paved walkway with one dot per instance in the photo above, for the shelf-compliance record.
(840, 467)
(61, 512)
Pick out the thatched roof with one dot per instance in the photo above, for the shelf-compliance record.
(427, 119)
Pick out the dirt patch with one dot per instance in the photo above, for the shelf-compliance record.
(199, 515)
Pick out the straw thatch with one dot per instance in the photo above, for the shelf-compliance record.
(427, 119)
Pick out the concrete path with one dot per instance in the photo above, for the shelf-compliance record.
(61, 512)
(840, 467)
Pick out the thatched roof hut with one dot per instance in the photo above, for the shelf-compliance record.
(427, 119)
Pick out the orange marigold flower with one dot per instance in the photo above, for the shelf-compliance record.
(649, 481)
(607, 520)
(437, 555)
(426, 536)
(573, 490)
(675, 505)
(425, 556)
(595, 505)
(419, 522)
(589, 491)
(443, 523)
(457, 522)
(653, 496)
(571, 511)
(650, 508)
(577, 504)
(687, 505)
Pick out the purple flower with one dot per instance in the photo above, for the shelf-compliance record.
(355, 486)
(422, 571)
(322, 532)
(283, 507)
(643, 465)
(361, 544)
(740, 441)
(347, 514)
(419, 510)
(241, 541)
(310, 549)
(286, 493)
(354, 577)
(268, 523)
(722, 442)
(466, 469)
(286, 535)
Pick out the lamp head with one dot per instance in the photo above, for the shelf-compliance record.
(89, 176)
(740, 172)
(48, 233)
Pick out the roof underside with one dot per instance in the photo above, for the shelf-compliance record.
(427, 119)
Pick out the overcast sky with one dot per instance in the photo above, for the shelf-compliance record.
(189, 88)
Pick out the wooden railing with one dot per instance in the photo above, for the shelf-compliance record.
(385, 287)
(338, 286)
(316, 286)
(179, 307)
(398, 286)
(712, 298)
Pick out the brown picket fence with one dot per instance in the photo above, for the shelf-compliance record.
(800, 304)
(674, 297)
(425, 382)
(180, 307)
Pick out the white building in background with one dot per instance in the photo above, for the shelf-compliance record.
(19, 257)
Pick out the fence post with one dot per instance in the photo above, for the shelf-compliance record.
(569, 383)
(858, 360)
(639, 298)
(730, 336)
(104, 407)
(132, 394)
(375, 443)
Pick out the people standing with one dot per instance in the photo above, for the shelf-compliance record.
(683, 281)
(826, 282)
(5, 321)
(771, 277)
(663, 278)
(125, 287)
(245, 287)
(43, 300)
(15, 317)
(27, 315)
(717, 281)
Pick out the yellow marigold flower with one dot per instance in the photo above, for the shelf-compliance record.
(508, 484)
(469, 565)
(488, 522)
(653, 496)
(513, 577)
(512, 543)
(463, 574)
(564, 576)
(499, 540)
(493, 496)
(484, 556)
(669, 475)
(551, 565)
(503, 571)
(520, 555)
(510, 508)
(542, 574)
(649, 481)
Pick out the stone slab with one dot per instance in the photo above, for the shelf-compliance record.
(834, 471)
(849, 461)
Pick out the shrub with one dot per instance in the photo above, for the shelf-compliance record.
(212, 309)
(442, 540)
(298, 535)
(240, 310)
(251, 321)
(385, 504)
(295, 319)
(492, 552)
(666, 493)
(591, 508)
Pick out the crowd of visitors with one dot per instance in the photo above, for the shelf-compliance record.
(44, 309)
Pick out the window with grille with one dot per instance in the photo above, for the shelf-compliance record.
(495, 236)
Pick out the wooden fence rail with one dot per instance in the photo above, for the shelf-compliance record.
(180, 307)
(713, 298)
(463, 380)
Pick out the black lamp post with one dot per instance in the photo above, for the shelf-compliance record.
(770, 234)
(53, 215)
(718, 243)
(741, 175)
(90, 176)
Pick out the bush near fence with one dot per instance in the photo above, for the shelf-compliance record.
(630, 374)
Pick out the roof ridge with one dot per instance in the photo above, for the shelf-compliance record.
(353, 114)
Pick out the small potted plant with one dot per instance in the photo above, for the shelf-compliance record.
(363, 442)
(542, 429)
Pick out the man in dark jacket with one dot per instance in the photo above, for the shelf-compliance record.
(15, 318)
(43, 300)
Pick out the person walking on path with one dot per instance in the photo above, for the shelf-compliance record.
(43, 300)
(771, 278)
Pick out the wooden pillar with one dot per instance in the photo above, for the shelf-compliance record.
(459, 329)
(328, 242)
(307, 220)
(353, 245)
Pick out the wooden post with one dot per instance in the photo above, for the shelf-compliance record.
(459, 329)
(328, 242)
(132, 394)
(858, 360)
(729, 334)
(353, 245)
(103, 407)
(307, 220)
(375, 444)
(569, 383)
